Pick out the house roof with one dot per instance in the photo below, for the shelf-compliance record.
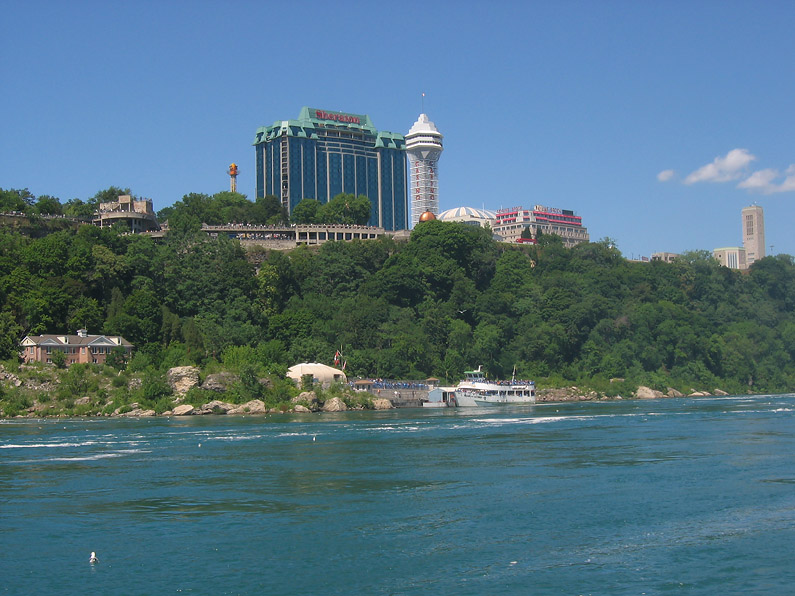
(75, 340)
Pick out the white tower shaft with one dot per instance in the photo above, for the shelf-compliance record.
(424, 147)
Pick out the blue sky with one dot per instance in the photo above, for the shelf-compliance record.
(655, 121)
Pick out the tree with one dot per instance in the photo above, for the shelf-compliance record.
(15, 200)
(345, 209)
(117, 358)
(59, 359)
(78, 208)
(269, 210)
(305, 212)
(10, 334)
(109, 195)
(47, 205)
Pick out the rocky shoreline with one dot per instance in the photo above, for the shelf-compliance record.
(43, 385)
(569, 394)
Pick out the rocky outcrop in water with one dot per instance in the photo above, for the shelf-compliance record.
(183, 410)
(307, 399)
(644, 392)
(382, 404)
(254, 406)
(564, 394)
(216, 407)
(335, 404)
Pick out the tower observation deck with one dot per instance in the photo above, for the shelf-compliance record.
(424, 147)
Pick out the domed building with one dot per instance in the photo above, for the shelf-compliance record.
(469, 215)
(427, 216)
(322, 374)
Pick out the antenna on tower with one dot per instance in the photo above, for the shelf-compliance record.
(423, 104)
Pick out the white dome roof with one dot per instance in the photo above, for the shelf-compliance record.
(469, 214)
(320, 372)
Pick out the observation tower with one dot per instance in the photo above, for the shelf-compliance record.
(424, 147)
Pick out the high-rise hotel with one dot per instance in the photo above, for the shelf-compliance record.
(325, 153)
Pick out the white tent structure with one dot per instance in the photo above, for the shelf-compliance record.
(322, 374)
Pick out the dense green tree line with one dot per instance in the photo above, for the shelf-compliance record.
(449, 299)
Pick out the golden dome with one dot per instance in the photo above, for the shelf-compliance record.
(427, 216)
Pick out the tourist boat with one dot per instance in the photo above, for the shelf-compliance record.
(476, 390)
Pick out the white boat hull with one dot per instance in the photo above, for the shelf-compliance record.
(477, 391)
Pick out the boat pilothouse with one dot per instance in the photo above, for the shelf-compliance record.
(476, 390)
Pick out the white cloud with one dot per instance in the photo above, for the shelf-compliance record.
(764, 181)
(761, 180)
(665, 175)
(723, 169)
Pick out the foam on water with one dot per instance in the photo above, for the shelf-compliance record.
(47, 445)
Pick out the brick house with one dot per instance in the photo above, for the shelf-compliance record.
(81, 348)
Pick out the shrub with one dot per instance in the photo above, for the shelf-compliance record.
(119, 381)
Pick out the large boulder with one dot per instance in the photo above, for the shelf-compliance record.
(644, 392)
(306, 398)
(301, 409)
(674, 393)
(335, 404)
(182, 378)
(183, 410)
(719, 392)
(216, 407)
(382, 404)
(255, 406)
(138, 413)
(220, 381)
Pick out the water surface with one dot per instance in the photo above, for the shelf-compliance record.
(681, 496)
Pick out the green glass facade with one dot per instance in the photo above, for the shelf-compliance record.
(323, 154)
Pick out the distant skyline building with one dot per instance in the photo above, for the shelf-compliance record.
(424, 148)
(324, 153)
(753, 220)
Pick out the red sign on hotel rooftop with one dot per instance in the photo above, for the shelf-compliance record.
(347, 118)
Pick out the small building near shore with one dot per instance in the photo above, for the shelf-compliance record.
(321, 374)
(81, 348)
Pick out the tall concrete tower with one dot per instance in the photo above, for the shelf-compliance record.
(424, 147)
(753, 233)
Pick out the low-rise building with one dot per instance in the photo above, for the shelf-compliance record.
(732, 257)
(138, 215)
(80, 348)
(665, 257)
(511, 222)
